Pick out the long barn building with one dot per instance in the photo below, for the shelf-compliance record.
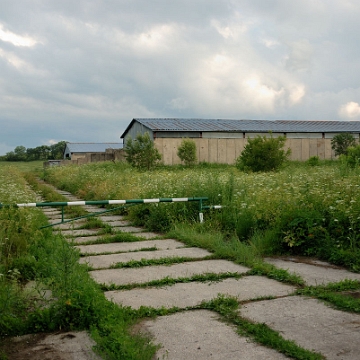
(222, 141)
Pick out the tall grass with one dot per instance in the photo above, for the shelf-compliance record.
(302, 209)
(77, 303)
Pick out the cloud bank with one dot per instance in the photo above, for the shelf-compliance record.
(81, 71)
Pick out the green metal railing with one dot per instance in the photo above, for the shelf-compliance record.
(124, 203)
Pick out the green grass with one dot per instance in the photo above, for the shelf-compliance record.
(24, 166)
(336, 294)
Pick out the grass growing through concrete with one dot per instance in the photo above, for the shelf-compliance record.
(167, 281)
(76, 303)
(339, 295)
(228, 308)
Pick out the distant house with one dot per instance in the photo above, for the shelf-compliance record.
(75, 151)
(222, 141)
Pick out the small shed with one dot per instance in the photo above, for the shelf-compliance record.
(222, 141)
(75, 151)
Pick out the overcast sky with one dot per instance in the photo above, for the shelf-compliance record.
(81, 70)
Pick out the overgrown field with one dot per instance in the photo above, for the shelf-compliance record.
(301, 210)
(32, 261)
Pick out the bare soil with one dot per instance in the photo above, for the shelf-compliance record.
(49, 346)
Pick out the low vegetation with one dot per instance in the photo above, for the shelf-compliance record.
(187, 152)
(310, 209)
(300, 210)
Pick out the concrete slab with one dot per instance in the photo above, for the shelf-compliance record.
(191, 294)
(199, 335)
(175, 271)
(117, 223)
(49, 210)
(70, 233)
(69, 226)
(92, 208)
(105, 261)
(108, 218)
(130, 246)
(146, 235)
(314, 274)
(131, 229)
(311, 324)
(83, 239)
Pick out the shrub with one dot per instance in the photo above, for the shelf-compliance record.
(352, 157)
(141, 152)
(187, 152)
(313, 161)
(341, 142)
(263, 154)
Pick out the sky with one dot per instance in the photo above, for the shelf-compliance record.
(81, 70)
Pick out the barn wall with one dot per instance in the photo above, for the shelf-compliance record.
(226, 150)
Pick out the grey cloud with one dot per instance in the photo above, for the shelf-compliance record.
(97, 64)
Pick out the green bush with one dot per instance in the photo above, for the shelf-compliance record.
(263, 154)
(341, 142)
(141, 152)
(313, 161)
(352, 157)
(187, 152)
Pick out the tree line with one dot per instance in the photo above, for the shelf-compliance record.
(43, 152)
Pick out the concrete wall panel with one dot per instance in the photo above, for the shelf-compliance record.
(203, 150)
(296, 148)
(230, 151)
(321, 148)
(313, 148)
(213, 151)
(239, 147)
(222, 145)
(305, 149)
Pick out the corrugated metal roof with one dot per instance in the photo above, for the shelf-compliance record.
(92, 147)
(210, 125)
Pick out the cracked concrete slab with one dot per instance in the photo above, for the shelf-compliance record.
(109, 218)
(183, 295)
(130, 246)
(70, 225)
(131, 229)
(175, 271)
(117, 223)
(105, 261)
(83, 239)
(319, 274)
(79, 232)
(311, 324)
(201, 335)
(146, 235)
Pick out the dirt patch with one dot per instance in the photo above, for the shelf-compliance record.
(54, 346)
(355, 294)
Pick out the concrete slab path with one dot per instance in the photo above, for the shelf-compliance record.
(169, 244)
(174, 271)
(311, 324)
(183, 295)
(105, 261)
(201, 335)
(320, 274)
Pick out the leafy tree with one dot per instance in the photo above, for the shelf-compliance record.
(341, 142)
(263, 154)
(187, 151)
(141, 152)
(57, 150)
